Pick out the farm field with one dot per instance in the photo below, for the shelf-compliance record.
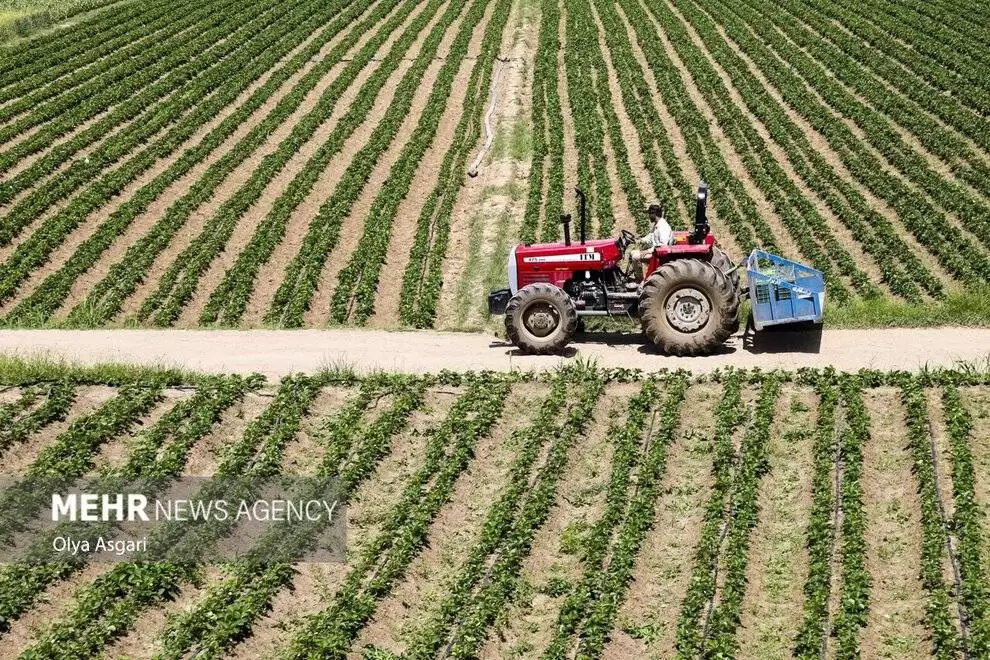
(579, 513)
(305, 164)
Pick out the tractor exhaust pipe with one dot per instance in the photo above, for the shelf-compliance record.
(701, 228)
(565, 219)
(584, 212)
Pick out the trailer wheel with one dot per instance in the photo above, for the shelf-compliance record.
(540, 319)
(688, 307)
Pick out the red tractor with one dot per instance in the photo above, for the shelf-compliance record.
(687, 302)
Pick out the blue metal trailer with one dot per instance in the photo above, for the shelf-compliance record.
(783, 291)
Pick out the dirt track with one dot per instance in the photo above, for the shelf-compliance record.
(276, 353)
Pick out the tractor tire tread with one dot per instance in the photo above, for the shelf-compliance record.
(565, 307)
(722, 294)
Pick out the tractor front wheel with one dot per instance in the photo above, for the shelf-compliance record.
(687, 306)
(540, 319)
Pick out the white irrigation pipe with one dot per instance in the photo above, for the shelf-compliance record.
(489, 134)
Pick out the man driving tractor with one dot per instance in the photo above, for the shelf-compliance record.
(660, 234)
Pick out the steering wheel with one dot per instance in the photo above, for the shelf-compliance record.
(626, 238)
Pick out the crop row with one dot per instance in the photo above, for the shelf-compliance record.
(302, 275)
(966, 522)
(964, 260)
(228, 300)
(856, 583)
(486, 582)
(948, 631)
(548, 134)
(701, 589)
(656, 148)
(384, 560)
(714, 633)
(24, 60)
(227, 80)
(352, 451)
(159, 454)
(734, 207)
(423, 275)
(179, 283)
(362, 431)
(610, 583)
(946, 47)
(945, 81)
(106, 298)
(836, 529)
(146, 89)
(874, 232)
(357, 283)
(823, 525)
(20, 419)
(72, 454)
(806, 226)
(873, 108)
(32, 91)
(906, 81)
(108, 607)
(589, 137)
(50, 294)
(602, 96)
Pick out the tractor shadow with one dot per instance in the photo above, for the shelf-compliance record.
(649, 348)
(794, 338)
(568, 352)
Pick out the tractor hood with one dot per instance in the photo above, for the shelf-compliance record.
(560, 248)
(556, 263)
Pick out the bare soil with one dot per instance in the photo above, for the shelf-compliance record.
(352, 227)
(144, 222)
(896, 620)
(647, 621)
(88, 398)
(778, 562)
(404, 228)
(455, 530)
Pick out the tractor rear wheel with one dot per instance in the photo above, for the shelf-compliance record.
(723, 263)
(540, 319)
(687, 307)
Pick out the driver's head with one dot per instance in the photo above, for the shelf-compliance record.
(654, 211)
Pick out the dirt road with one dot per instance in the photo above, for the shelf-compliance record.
(276, 353)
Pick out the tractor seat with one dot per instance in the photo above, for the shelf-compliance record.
(632, 286)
